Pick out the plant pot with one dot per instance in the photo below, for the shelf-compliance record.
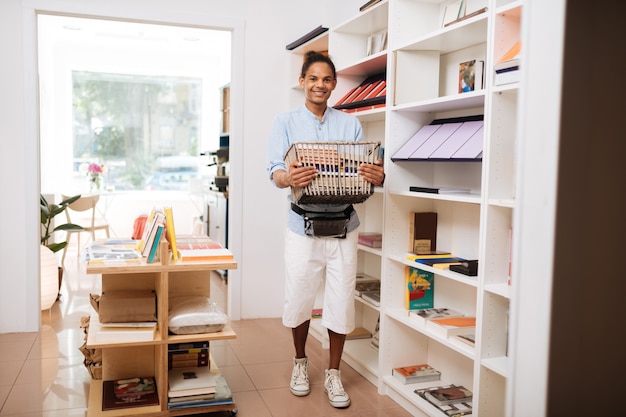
(49, 277)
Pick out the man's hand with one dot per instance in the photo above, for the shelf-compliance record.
(373, 173)
(298, 176)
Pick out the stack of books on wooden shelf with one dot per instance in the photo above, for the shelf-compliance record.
(129, 392)
(452, 400)
(188, 355)
(201, 248)
(196, 387)
(370, 94)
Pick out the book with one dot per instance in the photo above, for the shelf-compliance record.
(112, 402)
(416, 373)
(375, 336)
(456, 141)
(448, 394)
(369, 4)
(452, 12)
(429, 255)
(372, 240)
(155, 243)
(372, 297)
(451, 326)
(316, 313)
(422, 315)
(419, 289)
(366, 285)
(414, 142)
(359, 333)
(212, 254)
(190, 381)
(134, 387)
(510, 58)
(188, 358)
(469, 339)
(439, 190)
(159, 218)
(221, 396)
(453, 410)
(467, 267)
(435, 141)
(437, 262)
(111, 254)
(468, 75)
(171, 231)
(125, 333)
(306, 37)
(422, 232)
(472, 149)
(188, 345)
(354, 101)
(146, 229)
(466, 16)
(377, 42)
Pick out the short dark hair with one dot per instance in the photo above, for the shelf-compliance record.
(312, 57)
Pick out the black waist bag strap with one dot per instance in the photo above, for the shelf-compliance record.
(323, 223)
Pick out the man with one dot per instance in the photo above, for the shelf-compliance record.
(311, 258)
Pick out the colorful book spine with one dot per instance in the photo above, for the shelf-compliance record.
(155, 243)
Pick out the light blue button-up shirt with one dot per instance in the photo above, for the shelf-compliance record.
(300, 125)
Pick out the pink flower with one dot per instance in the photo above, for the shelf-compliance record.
(95, 168)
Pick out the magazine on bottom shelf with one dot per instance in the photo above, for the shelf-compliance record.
(416, 373)
(446, 394)
(462, 409)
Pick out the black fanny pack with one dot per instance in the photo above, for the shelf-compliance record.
(324, 223)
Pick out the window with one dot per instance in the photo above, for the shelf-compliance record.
(144, 129)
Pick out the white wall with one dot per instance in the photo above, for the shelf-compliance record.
(259, 91)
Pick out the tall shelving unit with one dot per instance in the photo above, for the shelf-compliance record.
(422, 69)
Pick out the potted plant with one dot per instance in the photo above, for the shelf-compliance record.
(48, 213)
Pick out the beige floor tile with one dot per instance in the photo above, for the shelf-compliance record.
(58, 395)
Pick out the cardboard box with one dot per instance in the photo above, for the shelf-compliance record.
(125, 306)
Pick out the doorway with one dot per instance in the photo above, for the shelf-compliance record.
(149, 57)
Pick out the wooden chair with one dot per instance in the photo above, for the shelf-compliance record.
(83, 212)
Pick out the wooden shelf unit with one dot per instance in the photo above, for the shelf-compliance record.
(131, 359)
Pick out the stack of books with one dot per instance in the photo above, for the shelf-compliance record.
(129, 392)
(188, 355)
(197, 387)
(371, 239)
(507, 67)
(368, 95)
(201, 248)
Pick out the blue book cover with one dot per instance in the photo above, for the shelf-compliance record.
(155, 245)
(420, 288)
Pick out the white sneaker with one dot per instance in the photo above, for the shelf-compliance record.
(299, 385)
(337, 396)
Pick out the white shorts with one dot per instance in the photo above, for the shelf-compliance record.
(309, 261)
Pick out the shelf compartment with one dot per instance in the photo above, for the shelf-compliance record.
(501, 146)
(496, 268)
(439, 76)
(457, 225)
(351, 37)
